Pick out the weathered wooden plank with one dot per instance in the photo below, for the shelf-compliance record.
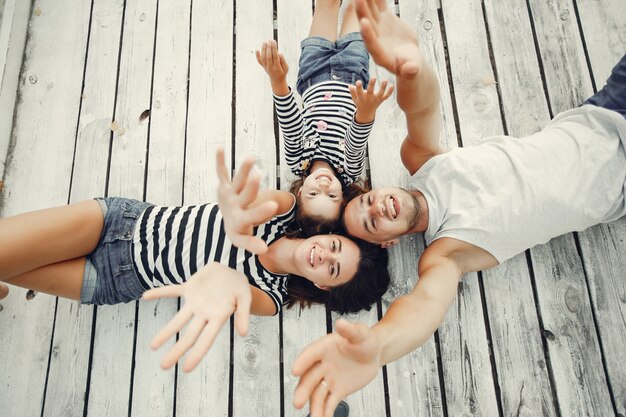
(153, 388)
(14, 18)
(603, 251)
(115, 326)
(256, 383)
(45, 125)
(205, 391)
(604, 30)
(476, 95)
(254, 123)
(563, 296)
(69, 364)
(300, 326)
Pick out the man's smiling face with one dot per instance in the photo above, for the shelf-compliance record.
(381, 215)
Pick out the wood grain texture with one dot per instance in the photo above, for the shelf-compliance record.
(14, 18)
(37, 176)
(69, 363)
(115, 325)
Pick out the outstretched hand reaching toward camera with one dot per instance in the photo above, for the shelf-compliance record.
(391, 42)
(238, 205)
(335, 366)
(210, 296)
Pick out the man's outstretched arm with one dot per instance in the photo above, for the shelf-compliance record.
(393, 45)
(350, 358)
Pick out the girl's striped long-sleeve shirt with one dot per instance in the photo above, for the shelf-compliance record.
(325, 129)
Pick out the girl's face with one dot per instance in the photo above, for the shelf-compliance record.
(320, 195)
(327, 260)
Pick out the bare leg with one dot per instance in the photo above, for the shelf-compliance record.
(37, 239)
(350, 22)
(63, 279)
(325, 19)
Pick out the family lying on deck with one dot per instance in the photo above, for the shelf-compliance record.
(477, 207)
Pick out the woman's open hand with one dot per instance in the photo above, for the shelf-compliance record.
(238, 205)
(211, 296)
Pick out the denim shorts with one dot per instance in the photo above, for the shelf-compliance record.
(110, 276)
(346, 60)
(613, 94)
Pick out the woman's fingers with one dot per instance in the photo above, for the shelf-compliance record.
(241, 176)
(185, 342)
(172, 327)
(203, 344)
(220, 163)
(250, 190)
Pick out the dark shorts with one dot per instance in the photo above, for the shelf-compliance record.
(110, 276)
(346, 60)
(613, 94)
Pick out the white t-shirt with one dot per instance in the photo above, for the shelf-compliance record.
(508, 194)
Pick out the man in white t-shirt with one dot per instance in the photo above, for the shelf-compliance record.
(477, 206)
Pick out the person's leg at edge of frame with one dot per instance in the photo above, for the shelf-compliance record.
(325, 17)
(45, 250)
(350, 22)
(342, 410)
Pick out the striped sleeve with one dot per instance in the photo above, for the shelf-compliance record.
(356, 141)
(292, 125)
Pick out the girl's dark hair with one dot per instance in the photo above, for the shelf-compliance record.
(319, 225)
(369, 283)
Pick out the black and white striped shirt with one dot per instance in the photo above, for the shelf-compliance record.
(172, 243)
(325, 130)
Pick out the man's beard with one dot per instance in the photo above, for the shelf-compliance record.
(417, 213)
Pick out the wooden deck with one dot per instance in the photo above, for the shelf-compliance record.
(541, 335)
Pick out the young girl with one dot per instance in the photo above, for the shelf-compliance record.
(325, 143)
(112, 250)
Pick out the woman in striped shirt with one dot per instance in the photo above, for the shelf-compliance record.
(113, 250)
(325, 141)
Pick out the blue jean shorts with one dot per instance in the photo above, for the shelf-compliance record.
(613, 94)
(110, 276)
(346, 60)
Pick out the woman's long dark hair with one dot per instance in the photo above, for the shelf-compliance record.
(369, 283)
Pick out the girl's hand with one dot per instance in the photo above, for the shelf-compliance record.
(211, 296)
(236, 200)
(275, 66)
(367, 101)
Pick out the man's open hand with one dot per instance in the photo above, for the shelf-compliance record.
(391, 42)
(335, 366)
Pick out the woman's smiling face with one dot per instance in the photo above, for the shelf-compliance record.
(327, 260)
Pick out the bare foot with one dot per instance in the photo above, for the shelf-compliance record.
(4, 290)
